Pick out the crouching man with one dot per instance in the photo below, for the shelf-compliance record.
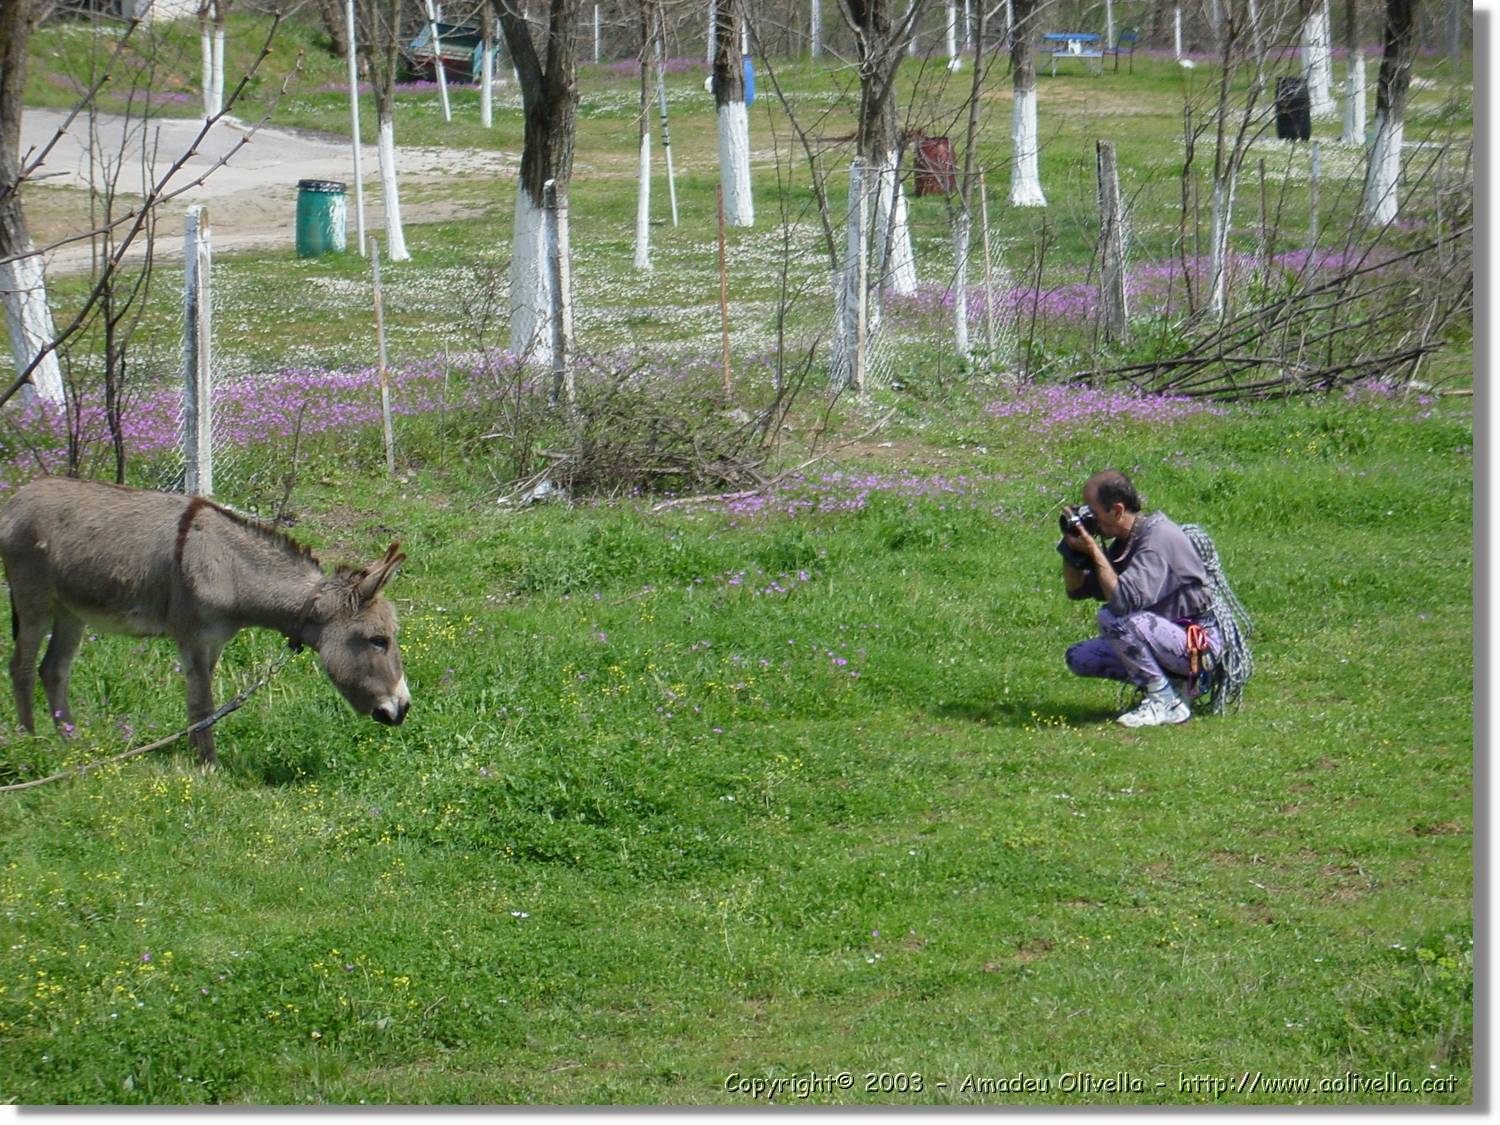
(1156, 621)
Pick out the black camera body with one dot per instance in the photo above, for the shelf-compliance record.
(1081, 516)
(1070, 519)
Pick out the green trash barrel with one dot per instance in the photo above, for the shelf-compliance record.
(322, 218)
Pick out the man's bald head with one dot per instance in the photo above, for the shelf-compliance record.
(1105, 489)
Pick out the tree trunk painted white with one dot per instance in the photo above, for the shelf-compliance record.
(487, 85)
(1257, 40)
(1025, 178)
(815, 28)
(1218, 265)
(598, 35)
(390, 194)
(950, 34)
(643, 205)
(1177, 34)
(1317, 63)
(530, 290)
(1382, 179)
(961, 235)
(359, 179)
(734, 164)
(218, 82)
(206, 44)
(896, 265)
(1109, 24)
(1354, 102)
(968, 25)
(28, 322)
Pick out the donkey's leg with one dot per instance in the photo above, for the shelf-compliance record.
(199, 657)
(57, 665)
(28, 629)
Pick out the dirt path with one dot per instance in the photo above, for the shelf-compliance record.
(251, 200)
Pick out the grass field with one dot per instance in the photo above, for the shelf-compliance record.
(786, 800)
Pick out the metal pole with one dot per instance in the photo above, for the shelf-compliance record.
(384, 374)
(197, 347)
(562, 382)
(861, 270)
(359, 180)
(437, 58)
(661, 95)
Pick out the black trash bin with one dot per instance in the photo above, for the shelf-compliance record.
(1293, 109)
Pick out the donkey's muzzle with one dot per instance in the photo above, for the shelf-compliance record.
(391, 712)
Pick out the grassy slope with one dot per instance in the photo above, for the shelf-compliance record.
(613, 856)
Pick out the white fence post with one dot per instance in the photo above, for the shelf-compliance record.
(388, 430)
(197, 358)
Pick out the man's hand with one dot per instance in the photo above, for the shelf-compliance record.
(1085, 544)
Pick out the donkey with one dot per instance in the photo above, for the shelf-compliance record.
(149, 564)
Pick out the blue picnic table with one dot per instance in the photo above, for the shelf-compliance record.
(1075, 45)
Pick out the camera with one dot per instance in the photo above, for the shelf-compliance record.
(1081, 516)
(1071, 518)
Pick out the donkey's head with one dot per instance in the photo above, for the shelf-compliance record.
(357, 640)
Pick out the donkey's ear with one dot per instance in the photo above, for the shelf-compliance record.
(379, 574)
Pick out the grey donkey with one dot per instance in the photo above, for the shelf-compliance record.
(79, 553)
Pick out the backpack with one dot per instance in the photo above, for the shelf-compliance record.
(1222, 679)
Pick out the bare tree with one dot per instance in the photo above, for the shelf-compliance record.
(1354, 83)
(1383, 173)
(1317, 59)
(379, 39)
(23, 284)
(211, 15)
(734, 120)
(882, 35)
(1025, 178)
(545, 58)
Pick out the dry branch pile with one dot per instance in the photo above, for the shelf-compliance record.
(1374, 315)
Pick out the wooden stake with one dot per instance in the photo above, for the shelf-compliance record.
(1312, 197)
(1111, 243)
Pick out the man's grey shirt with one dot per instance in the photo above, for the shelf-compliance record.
(1159, 572)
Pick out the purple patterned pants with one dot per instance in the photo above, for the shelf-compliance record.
(1138, 648)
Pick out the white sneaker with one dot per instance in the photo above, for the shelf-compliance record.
(1156, 710)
